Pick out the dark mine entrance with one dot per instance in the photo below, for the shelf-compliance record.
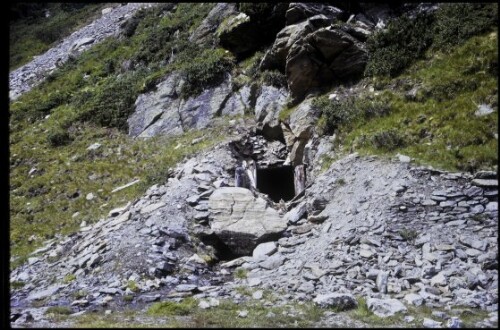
(277, 182)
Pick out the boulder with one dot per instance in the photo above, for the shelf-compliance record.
(339, 301)
(236, 34)
(385, 307)
(275, 58)
(297, 213)
(323, 56)
(241, 220)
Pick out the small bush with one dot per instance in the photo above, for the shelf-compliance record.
(344, 112)
(59, 137)
(340, 182)
(128, 298)
(274, 78)
(17, 284)
(404, 41)
(204, 71)
(241, 273)
(69, 278)
(132, 286)
(387, 140)
(408, 234)
(114, 102)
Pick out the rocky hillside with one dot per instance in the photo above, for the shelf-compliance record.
(288, 164)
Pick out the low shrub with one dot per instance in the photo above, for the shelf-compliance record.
(274, 78)
(59, 137)
(404, 41)
(388, 140)
(204, 71)
(456, 22)
(336, 113)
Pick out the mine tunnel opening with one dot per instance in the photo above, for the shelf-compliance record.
(276, 182)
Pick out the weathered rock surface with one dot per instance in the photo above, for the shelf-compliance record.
(241, 220)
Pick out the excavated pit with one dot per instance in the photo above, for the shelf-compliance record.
(277, 182)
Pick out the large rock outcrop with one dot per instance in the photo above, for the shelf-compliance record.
(163, 111)
(243, 221)
(321, 57)
(256, 25)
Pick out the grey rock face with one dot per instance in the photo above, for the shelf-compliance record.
(322, 56)
(242, 221)
(300, 11)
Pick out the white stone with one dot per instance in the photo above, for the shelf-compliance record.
(264, 250)
(258, 294)
(429, 323)
(439, 279)
(414, 299)
(385, 307)
(94, 146)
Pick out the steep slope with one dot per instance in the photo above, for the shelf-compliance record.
(234, 129)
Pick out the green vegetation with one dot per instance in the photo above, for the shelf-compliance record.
(205, 70)
(345, 112)
(437, 125)
(89, 100)
(226, 315)
(340, 182)
(32, 33)
(241, 273)
(17, 284)
(408, 234)
(63, 310)
(69, 278)
(132, 285)
(171, 308)
(406, 39)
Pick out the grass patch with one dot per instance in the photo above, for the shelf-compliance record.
(60, 310)
(439, 127)
(226, 315)
(364, 314)
(132, 285)
(340, 182)
(17, 284)
(43, 205)
(170, 308)
(69, 278)
(241, 273)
